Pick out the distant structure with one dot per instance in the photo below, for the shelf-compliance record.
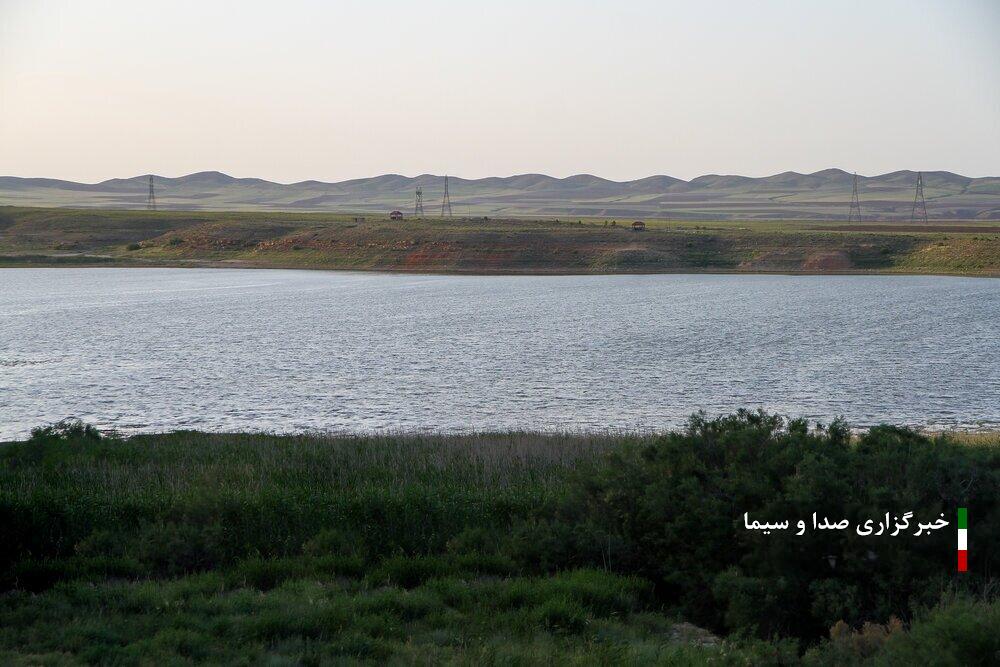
(446, 200)
(418, 206)
(855, 212)
(151, 202)
(638, 226)
(396, 215)
(919, 210)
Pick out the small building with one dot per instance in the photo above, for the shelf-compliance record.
(358, 220)
(638, 226)
(396, 215)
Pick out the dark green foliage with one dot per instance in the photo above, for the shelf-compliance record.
(490, 549)
(67, 429)
(578, 617)
(963, 633)
(181, 503)
(959, 632)
(672, 511)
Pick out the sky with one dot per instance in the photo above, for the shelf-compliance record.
(298, 90)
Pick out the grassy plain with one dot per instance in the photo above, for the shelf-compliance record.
(55, 237)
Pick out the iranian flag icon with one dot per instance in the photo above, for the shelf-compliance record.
(963, 539)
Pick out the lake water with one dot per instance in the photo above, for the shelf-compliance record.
(161, 349)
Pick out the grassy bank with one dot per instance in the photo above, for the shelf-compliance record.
(492, 548)
(34, 237)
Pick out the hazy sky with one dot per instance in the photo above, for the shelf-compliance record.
(295, 90)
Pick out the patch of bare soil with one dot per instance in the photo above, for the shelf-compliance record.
(836, 260)
(692, 634)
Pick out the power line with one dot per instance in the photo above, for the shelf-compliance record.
(919, 205)
(855, 202)
(151, 202)
(446, 200)
(418, 207)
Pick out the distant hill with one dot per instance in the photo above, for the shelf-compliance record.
(789, 195)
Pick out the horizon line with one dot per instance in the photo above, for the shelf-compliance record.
(537, 174)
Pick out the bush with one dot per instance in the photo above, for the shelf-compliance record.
(672, 510)
(64, 430)
(848, 646)
(958, 633)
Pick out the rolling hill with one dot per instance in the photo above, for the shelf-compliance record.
(823, 195)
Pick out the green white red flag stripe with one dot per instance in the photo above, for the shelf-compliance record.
(963, 539)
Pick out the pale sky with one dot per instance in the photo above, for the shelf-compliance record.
(298, 90)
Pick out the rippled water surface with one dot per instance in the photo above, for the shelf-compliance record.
(160, 349)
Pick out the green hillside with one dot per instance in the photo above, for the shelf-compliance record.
(30, 236)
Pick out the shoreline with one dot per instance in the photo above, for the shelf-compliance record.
(988, 436)
(485, 272)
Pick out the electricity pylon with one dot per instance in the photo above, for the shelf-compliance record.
(855, 211)
(151, 202)
(919, 205)
(418, 206)
(446, 200)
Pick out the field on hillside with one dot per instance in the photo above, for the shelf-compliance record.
(504, 548)
(37, 237)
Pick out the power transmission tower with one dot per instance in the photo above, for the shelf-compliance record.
(151, 202)
(855, 203)
(446, 200)
(418, 207)
(919, 205)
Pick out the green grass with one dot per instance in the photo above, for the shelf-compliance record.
(336, 241)
(302, 549)
(582, 616)
(192, 501)
(476, 549)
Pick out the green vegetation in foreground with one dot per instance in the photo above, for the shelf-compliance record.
(509, 548)
(32, 237)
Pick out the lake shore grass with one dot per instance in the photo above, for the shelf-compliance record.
(487, 548)
(90, 237)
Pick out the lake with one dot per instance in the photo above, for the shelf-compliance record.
(213, 349)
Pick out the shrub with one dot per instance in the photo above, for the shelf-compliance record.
(955, 632)
(963, 632)
(671, 510)
(64, 430)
